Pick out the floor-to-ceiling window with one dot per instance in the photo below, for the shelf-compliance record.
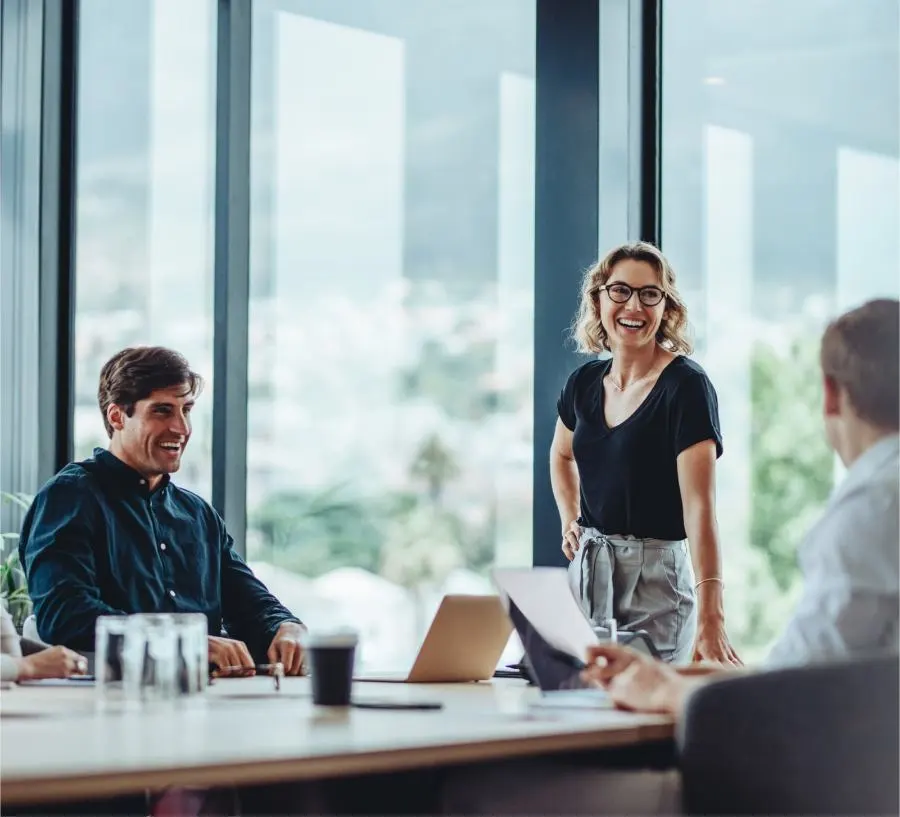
(390, 379)
(391, 363)
(145, 142)
(780, 208)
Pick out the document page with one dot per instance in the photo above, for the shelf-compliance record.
(543, 596)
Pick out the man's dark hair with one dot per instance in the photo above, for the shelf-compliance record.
(135, 373)
(860, 352)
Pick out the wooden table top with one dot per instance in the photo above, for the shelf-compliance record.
(56, 745)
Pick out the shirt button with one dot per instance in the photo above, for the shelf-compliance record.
(143, 482)
(162, 545)
(172, 593)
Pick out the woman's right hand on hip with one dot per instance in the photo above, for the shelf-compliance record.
(571, 535)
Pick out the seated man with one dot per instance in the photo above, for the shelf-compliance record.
(113, 534)
(849, 560)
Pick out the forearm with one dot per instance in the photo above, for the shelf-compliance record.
(566, 486)
(68, 616)
(252, 614)
(703, 537)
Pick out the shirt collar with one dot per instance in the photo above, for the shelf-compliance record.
(870, 462)
(124, 474)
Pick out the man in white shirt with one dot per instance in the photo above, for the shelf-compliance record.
(849, 559)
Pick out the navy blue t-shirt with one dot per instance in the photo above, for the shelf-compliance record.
(628, 473)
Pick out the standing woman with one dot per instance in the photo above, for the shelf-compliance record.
(633, 463)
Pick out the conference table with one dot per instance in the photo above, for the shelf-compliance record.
(57, 745)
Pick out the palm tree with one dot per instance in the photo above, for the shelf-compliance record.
(435, 465)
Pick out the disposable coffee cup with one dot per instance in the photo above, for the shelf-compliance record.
(330, 657)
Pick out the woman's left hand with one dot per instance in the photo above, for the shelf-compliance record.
(712, 643)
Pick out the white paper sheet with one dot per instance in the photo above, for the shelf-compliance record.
(544, 597)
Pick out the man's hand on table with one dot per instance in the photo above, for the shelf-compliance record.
(286, 648)
(228, 655)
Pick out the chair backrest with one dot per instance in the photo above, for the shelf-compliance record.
(814, 740)
(30, 630)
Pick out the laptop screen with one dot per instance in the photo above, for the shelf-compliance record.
(551, 669)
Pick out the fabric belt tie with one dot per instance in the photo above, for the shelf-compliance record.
(595, 551)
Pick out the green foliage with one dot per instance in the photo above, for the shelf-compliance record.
(17, 498)
(313, 532)
(792, 463)
(437, 373)
(435, 465)
(407, 536)
(422, 545)
(14, 590)
(13, 585)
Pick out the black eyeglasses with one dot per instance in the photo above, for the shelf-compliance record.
(621, 294)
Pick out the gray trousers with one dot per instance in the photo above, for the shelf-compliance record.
(644, 584)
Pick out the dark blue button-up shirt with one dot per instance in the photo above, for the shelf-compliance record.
(97, 542)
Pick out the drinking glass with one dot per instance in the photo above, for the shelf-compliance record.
(110, 635)
(192, 653)
(151, 658)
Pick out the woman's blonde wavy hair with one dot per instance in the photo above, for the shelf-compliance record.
(587, 330)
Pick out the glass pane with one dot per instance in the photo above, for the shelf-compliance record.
(390, 414)
(145, 171)
(781, 206)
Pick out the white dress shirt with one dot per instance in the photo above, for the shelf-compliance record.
(850, 567)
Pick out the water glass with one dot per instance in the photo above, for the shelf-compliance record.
(110, 635)
(118, 642)
(151, 658)
(192, 653)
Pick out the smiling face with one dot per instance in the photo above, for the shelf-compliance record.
(152, 438)
(632, 324)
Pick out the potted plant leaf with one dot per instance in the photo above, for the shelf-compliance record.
(13, 585)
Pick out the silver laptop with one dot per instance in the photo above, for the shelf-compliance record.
(466, 638)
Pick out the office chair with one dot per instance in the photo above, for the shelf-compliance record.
(812, 740)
